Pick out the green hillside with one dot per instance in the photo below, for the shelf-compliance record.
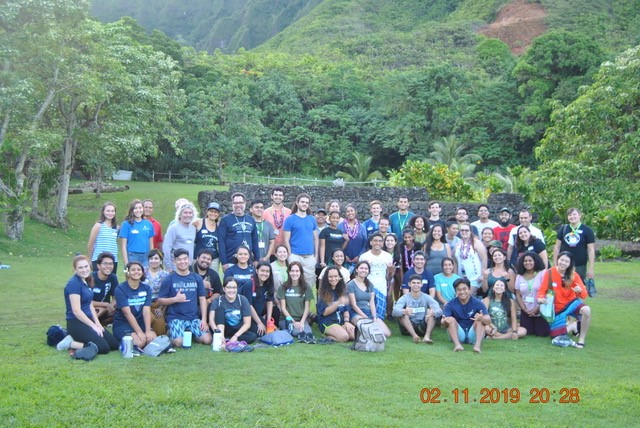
(209, 24)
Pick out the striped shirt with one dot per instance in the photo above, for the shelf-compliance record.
(107, 240)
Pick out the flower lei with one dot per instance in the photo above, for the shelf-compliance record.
(352, 232)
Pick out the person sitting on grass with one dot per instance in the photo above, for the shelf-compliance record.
(465, 317)
(333, 307)
(105, 282)
(570, 293)
(134, 307)
(295, 295)
(231, 314)
(444, 281)
(417, 312)
(83, 325)
(502, 310)
(362, 298)
(183, 294)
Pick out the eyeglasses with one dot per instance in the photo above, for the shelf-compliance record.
(186, 206)
(238, 203)
(465, 230)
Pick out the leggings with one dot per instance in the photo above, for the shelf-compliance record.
(85, 334)
(248, 336)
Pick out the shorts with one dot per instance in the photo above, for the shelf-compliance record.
(466, 335)
(366, 311)
(324, 327)
(176, 328)
(419, 327)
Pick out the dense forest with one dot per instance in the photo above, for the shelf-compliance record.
(314, 87)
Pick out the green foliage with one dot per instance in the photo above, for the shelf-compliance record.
(609, 252)
(360, 170)
(439, 180)
(448, 151)
(590, 154)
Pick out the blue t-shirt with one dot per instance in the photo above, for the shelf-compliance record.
(445, 285)
(78, 286)
(103, 290)
(234, 231)
(370, 227)
(464, 313)
(260, 296)
(302, 230)
(137, 235)
(135, 300)
(234, 312)
(427, 280)
(244, 279)
(336, 317)
(356, 246)
(192, 287)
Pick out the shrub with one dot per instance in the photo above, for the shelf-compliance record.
(440, 181)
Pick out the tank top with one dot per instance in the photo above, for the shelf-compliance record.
(434, 260)
(106, 240)
(206, 239)
(499, 316)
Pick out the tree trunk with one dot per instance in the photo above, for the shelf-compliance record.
(98, 181)
(35, 189)
(68, 155)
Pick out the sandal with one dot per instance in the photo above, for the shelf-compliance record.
(579, 345)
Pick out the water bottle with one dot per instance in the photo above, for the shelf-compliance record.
(216, 345)
(271, 325)
(126, 346)
(186, 339)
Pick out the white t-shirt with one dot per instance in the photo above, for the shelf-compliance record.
(478, 225)
(378, 272)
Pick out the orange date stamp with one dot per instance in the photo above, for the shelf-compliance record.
(500, 395)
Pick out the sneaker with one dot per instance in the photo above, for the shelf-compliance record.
(562, 341)
(87, 353)
(65, 343)
(302, 338)
(171, 351)
(310, 339)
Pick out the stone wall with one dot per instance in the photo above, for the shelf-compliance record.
(360, 197)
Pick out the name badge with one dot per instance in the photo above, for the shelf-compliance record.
(261, 245)
(418, 310)
(528, 299)
(276, 232)
(142, 294)
(135, 231)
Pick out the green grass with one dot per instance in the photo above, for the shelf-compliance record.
(310, 385)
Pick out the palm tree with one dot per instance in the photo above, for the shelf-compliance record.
(360, 170)
(449, 152)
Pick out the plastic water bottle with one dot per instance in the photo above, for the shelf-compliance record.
(271, 325)
(216, 345)
(186, 339)
(126, 346)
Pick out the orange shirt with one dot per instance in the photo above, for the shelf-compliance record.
(271, 216)
(563, 295)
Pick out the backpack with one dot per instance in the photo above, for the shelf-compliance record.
(157, 346)
(55, 334)
(369, 336)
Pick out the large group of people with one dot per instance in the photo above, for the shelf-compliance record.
(241, 272)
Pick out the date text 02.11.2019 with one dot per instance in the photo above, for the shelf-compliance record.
(503, 395)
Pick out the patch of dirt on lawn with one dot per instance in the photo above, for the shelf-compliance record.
(627, 294)
(517, 24)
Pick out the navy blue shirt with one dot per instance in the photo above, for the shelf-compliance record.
(135, 300)
(464, 313)
(427, 280)
(77, 286)
(192, 287)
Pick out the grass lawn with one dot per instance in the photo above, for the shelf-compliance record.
(299, 385)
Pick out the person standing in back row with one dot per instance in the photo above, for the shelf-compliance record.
(236, 229)
(579, 240)
(301, 237)
(276, 214)
(400, 219)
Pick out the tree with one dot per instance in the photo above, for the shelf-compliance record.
(591, 154)
(448, 151)
(439, 180)
(360, 170)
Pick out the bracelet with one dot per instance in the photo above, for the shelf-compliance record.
(289, 319)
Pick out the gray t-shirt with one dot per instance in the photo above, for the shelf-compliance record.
(362, 297)
(419, 306)
(234, 312)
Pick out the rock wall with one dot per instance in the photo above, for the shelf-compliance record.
(360, 197)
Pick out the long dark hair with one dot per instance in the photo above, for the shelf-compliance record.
(301, 282)
(268, 284)
(538, 264)
(130, 217)
(567, 279)
(505, 300)
(430, 240)
(325, 292)
(520, 245)
(367, 282)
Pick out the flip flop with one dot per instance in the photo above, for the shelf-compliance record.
(579, 345)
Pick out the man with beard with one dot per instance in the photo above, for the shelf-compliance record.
(236, 229)
(502, 232)
(276, 214)
(211, 278)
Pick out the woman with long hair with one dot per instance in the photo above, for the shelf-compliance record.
(569, 294)
(332, 307)
(133, 313)
(502, 310)
(136, 235)
(391, 247)
(357, 234)
(104, 236)
(471, 257)
(526, 241)
(83, 324)
(436, 249)
(181, 234)
(337, 261)
(530, 269)
(362, 297)
(280, 266)
(262, 298)
(207, 234)
(500, 269)
(155, 274)
(419, 225)
(295, 295)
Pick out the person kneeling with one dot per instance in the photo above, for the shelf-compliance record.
(231, 314)
(333, 307)
(417, 312)
(465, 317)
